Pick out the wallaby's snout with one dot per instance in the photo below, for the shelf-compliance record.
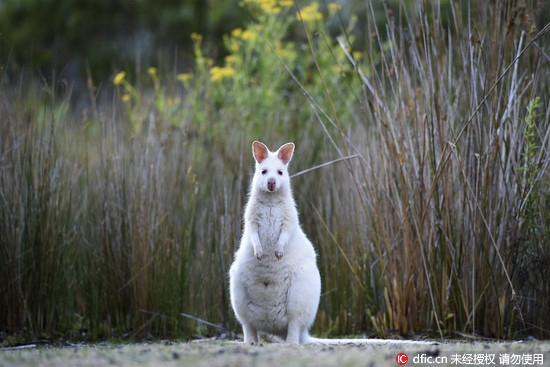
(271, 184)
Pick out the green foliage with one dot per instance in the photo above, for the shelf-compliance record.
(530, 167)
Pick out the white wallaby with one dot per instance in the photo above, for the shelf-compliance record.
(274, 282)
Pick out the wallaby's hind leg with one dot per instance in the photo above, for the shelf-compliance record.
(293, 333)
(250, 334)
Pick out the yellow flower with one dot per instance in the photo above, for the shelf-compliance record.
(310, 13)
(196, 37)
(248, 35)
(119, 78)
(272, 10)
(126, 97)
(237, 32)
(333, 7)
(232, 59)
(270, 6)
(217, 73)
(172, 101)
(184, 77)
(234, 45)
(152, 71)
(357, 55)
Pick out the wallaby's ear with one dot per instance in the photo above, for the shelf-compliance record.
(260, 151)
(285, 152)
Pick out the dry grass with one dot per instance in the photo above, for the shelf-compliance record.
(437, 196)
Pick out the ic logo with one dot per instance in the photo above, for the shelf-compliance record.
(402, 359)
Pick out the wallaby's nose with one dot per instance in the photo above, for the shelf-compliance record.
(271, 184)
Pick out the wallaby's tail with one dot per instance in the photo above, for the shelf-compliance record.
(369, 341)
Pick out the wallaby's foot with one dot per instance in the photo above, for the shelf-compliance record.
(250, 335)
(292, 341)
(293, 334)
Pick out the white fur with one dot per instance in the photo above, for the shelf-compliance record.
(274, 281)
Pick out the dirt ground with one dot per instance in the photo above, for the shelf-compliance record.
(230, 353)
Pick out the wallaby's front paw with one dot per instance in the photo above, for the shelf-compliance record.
(279, 250)
(258, 250)
(279, 254)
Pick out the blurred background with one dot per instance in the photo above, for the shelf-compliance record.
(69, 36)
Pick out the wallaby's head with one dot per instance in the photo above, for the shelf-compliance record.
(271, 167)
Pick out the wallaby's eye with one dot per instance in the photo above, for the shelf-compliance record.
(264, 171)
(280, 172)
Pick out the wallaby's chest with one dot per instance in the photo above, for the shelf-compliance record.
(270, 222)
